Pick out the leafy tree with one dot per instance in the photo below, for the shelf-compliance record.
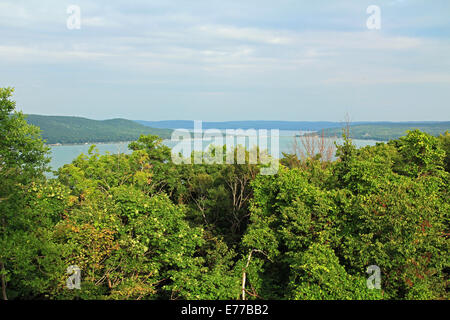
(421, 154)
(294, 223)
(24, 218)
(385, 205)
(445, 141)
(393, 208)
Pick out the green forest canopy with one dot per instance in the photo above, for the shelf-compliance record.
(140, 227)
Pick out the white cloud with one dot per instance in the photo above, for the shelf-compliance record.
(31, 54)
(214, 46)
(317, 57)
(245, 34)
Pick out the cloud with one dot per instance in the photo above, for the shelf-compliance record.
(249, 35)
(211, 48)
(28, 54)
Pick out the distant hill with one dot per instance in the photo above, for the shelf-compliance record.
(389, 131)
(61, 129)
(251, 124)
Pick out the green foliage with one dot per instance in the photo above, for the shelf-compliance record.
(445, 143)
(320, 276)
(23, 231)
(151, 241)
(399, 223)
(385, 205)
(140, 227)
(421, 154)
(291, 217)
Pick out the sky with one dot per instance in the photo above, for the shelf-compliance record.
(210, 60)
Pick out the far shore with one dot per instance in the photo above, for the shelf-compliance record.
(83, 143)
(113, 142)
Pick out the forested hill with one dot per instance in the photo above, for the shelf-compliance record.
(61, 129)
(388, 131)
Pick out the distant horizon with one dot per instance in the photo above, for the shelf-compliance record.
(245, 120)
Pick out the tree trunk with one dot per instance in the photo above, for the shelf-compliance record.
(244, 274)
(243, 285)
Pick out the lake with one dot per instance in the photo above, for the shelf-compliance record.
(65, 154)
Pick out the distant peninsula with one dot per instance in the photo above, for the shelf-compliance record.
(388, 131)
(364, 130)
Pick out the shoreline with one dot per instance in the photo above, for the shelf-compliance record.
(127, 142)
(114, 142)
(84, 143)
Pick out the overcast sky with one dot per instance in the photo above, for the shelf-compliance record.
(229, 60)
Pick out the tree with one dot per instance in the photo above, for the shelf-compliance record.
(392, 207)
(23, 161)
(385, 205)
(445, 142)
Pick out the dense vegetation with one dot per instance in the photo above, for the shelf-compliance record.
(140, 227)
(389, 131)
(58, 129)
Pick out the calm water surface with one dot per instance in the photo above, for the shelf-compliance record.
(65, 154)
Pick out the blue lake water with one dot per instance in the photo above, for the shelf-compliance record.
(65, 154)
